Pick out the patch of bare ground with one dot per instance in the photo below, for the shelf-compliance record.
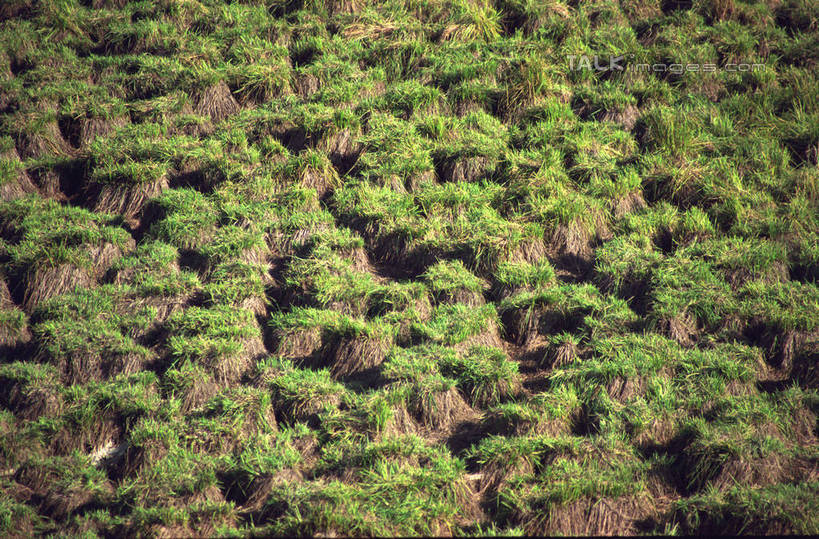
(63, 181)
(391, 271)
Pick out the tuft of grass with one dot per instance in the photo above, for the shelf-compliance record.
(485, 374)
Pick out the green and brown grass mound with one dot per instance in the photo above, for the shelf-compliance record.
(340, 267)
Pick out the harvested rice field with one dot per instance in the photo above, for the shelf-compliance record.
(411, 267)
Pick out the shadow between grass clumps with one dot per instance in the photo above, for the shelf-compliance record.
(364, 380)
(465, 435)
(673, 472)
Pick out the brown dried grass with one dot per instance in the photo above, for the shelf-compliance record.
(126, 200)
(464, 169)
(625, 117)
(298, 344)
(19, 187)
(588, 516)
(48, 142)
(216, 102)
(682, 328)
(29, 403)
(628, 204)
(440, 410)
(46, 282)
(355, 355)
(91, 128)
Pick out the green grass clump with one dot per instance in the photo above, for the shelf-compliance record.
(394, 153)
(165, 467)
(17, 516)
(511, 275)
(625, 264)
(453, 282)
(422, 380)
(86, 334)
(567, 308)
(235, 283)
(687, 294)
(152, 270)
(220, 338)
(187, 218)
(138, 155)
(416, 362)
(485, 374)
(743, 259)
(556, 477)
(790, 306)
(548, 414)
(304, 392)
(774, 509)
(232, 418)
(341, 508)
(69, 482)
(745, 444)
(33, 389)
(454, 324)
(49, 234)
